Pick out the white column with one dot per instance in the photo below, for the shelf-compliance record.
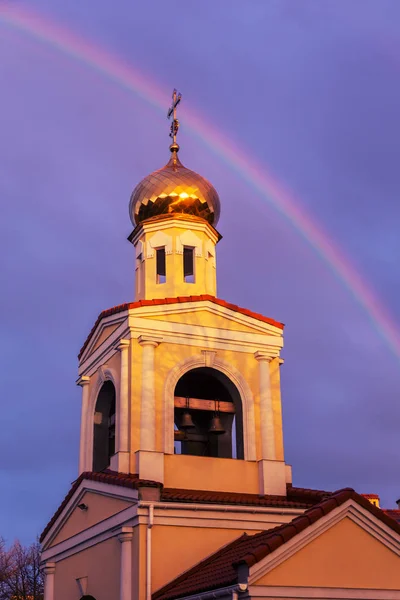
(49, 571)
(266, 410)
(125, 537)
(123, 408)
(148, 405)
(83, 447)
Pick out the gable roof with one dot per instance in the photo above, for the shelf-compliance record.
(220, 569)
(299, 498)
(107, 476)
(179, 299)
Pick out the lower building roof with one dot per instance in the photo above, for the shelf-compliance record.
(220, 569)
(296, 498)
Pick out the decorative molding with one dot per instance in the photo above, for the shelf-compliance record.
(135, 318)
(123, 345)
(246, 396)
(102, 374)
(169, 514)
(83, 380)
(49, 568)
(202, 336)
(177, 224)
(139, 250)
(210, 249)
(116, 320)
(159, 240)
(92, 535)
(261, 355)
(125, 534)
(188, 238)
(209, 357)
(97, 487)
(96, 356)
(205, 305)
(149, 340)
(349, 509)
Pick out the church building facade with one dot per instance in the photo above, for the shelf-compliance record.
(183, 489)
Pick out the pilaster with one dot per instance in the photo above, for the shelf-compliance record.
(83, 382)
(49, 573)
(121, 457)
(149, 462)
(148, 404)
(266, 410)
(126, 537)
(271, 472)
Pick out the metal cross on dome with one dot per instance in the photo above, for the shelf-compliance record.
(176, 98)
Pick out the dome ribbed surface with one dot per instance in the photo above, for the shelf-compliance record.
(174, 189)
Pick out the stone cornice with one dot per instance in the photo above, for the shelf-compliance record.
(173, 220)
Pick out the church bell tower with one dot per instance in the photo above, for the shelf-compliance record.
(180, 387)
(183, 492)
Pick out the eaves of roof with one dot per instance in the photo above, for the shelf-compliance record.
(296, 497)
(180, 299)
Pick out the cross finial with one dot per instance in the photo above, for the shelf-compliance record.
(176, 98)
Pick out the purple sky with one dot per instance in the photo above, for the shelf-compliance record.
(311, 89)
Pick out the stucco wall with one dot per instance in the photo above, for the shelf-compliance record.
(205, 473)
(99, 508)
(168, 234)
(345, 556)
(176, 549)
(100, 563)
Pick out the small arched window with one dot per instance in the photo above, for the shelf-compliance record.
(161, 272)
(104, 427)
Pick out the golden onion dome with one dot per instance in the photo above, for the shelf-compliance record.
(174, 189)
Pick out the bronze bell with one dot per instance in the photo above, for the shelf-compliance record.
(187, 421)
(216, 425)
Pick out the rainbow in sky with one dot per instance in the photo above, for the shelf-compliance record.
(123, 74)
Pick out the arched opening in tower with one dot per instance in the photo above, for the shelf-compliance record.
(104, 427)
(208, 415)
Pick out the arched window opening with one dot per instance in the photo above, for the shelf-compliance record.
(208, 415)
(161, 272)
(188, 264)
(104, 427)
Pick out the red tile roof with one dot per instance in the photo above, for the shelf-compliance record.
(220, 569)
(370, 496)
(111, 477)
(295, 498)
(393, 513)
(160, 301)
